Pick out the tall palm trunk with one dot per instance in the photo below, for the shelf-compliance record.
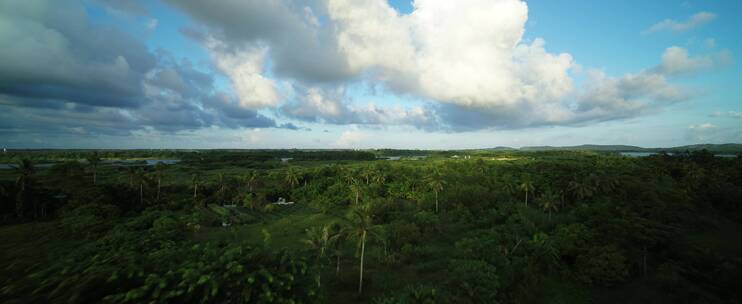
(363, 249)
(357, 194)
(141, 194)
(159, 183)
(526, 198)
(195, 191)
(436, 201)
(94, 177)
(319, 274)
(337, 266)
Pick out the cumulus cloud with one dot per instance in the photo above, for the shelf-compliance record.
(51, 52)
(300, 46)
(350, 139)
(332, 106)
(468, 55)
(244, 68)
(675, 61)
(694, 21)
(60, 73)
(465, 63)
(468, 60)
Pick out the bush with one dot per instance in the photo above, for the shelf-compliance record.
(603, 266)
(475, 281)
(90, 219)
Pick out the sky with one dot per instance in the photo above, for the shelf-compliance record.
(357, 74)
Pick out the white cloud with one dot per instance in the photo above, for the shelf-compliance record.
(350, 139)
(694, 21)
(732, 114)
(331, 106)
(468, 55)
(466, 59)
(703, 126)
(675, 60)
(244, 68)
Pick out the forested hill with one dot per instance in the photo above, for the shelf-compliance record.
(717, 148)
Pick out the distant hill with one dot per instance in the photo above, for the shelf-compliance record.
(716, 148)
(501, 148)
(616, 148)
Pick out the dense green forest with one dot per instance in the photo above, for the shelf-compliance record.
(492, 227)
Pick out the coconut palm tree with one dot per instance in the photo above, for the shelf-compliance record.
(318, 239)
(360, 225)
(510, 187)
(367, 174)
(292, 177)
(379, 177)
(526, 186)
(195, 179)
(337, 238)
(355, 188)
(250, 178)
(580, 189)
(349, 177)
(549, 202)
(159, 172)
(225, 191)
(25, 170)
(93, 161)
(130, 172)
(140, 178)
(435, 182)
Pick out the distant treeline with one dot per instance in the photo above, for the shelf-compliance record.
(263, 156)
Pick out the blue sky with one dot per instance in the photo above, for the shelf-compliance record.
(369, 74)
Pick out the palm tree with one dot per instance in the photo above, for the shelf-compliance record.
(549, 202)
(337, 237)
(367, 174)
(93, 161)
(318, 238)
(195, 179)
(361, 226)
(436, 183)
(355, 188)
(130, 172)
(379, 177)
(526, 186)
(250, 179)
(580, 189)
(349, 177)
(510, 187)
(25, 170)
(292, 177)
(224, 192)
(140, 179)
(159, 171)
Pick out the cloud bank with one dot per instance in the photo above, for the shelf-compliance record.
(465, 64)
(467, 59)
(59, 72)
